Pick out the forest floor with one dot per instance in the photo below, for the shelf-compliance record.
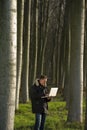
(56, 118)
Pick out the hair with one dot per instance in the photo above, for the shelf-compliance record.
(43, 77)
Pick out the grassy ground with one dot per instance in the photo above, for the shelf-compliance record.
(56, 118)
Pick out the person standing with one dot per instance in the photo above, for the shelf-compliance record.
(39, 100)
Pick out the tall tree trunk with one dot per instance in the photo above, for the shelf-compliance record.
(85, 127)
(44, 33)
(40, 5)
(67, 67)
(34, 40)
(76, 67)
(60, 30)
(20, 18)
(67, 52)
(36, 45)
(55, 56)
(26, 50)
(8, 47)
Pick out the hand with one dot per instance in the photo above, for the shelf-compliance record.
(49, 97)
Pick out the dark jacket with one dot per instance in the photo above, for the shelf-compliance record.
(39, 104)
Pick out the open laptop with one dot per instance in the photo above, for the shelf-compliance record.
(53, 92)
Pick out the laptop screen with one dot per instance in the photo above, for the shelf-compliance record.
(53, 92)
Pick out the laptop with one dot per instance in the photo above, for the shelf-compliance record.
(53, 92)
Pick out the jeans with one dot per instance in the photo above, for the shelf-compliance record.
(39, 121)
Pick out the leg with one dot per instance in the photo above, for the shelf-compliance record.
(43, 121)
(37, 121)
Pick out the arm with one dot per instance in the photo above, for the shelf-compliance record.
(36, 92)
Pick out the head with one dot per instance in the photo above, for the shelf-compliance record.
(43, 80)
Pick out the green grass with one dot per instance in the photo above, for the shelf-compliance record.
(56, 118)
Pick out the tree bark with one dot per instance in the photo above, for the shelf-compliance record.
(36, 45)
(33, 47)
(85, 127)
(26, 50)
(76, 67)
(8, 47)
(20, 18)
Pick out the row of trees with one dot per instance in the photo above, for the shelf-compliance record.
(42, 37)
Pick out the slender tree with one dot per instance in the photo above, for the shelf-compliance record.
(8, 47)
(85, 127)
(34, 38)
(67, 42)
(40, 4)
(26, 50)
(36, 44)
(20, 17)
(45, 31)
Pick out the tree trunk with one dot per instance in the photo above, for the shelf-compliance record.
(45, 32)
(67, 53)
(40, 5)
(67, 67)
(36, 45)
(8, 47)
(26, 50)
(76, 67)
(33, 47)
(20, 17)
(85, 127)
